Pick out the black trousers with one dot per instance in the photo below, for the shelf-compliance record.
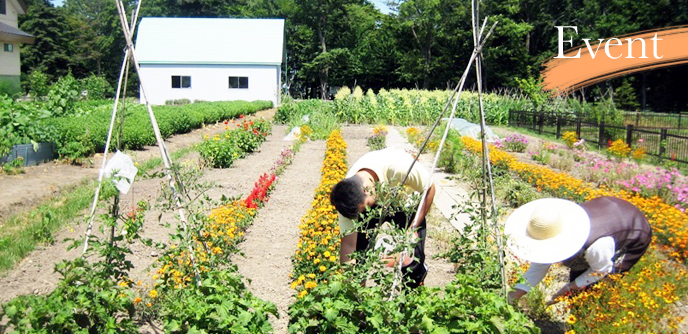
(414, 273)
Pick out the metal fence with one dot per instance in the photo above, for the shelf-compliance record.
(664, 143)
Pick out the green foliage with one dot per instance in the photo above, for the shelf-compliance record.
(220, 151)
(91, 295)
(84, 301)
(19, 124)
(38, 85)
(533, 89)
(222, 304)
(625, 97)
(177, 102)
(81, 136)
(62, 96)
(10, 85)
(96, 87)
(317, 114)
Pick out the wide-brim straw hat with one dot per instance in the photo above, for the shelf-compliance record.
(547, 230)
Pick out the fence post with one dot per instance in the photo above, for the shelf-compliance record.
(542, 122)
(662, 141)
(679, 120)
(578, 127)
(629, 134)
(558, 127)
(600, 139)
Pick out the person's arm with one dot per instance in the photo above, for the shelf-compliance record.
(429, 197)
(599, 257)
(535, 273)
(348, 246)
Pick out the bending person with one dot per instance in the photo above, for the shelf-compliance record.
(603, 236)
(355, 194)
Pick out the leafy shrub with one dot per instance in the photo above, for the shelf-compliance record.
(62, 96)
(19, 124)
(96, 87)
(222, 304)
(38, 84)
(221, 151)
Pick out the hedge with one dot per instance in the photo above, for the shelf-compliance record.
(81, 136)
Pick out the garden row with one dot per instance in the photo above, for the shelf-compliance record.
(196, 287)
(395, 107)
(336, 299)
(80, 134)
(637, 302)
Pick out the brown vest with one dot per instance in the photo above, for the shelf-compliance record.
(621, 220)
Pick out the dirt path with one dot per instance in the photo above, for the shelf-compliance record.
(38, 183)
(272, 239)
(35, 274)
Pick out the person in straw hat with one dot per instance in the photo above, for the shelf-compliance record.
(593, 239)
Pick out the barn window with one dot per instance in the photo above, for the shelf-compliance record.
(3, 7)
(179, 81)
(8, 47)
(238, 82)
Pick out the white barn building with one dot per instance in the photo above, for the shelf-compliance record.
(210, 59)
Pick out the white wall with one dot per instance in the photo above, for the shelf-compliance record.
(210, 82)
(10, 63)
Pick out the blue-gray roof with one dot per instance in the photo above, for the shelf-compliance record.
(210, 41)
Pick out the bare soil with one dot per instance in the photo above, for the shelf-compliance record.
(270, 241)
(38, 183)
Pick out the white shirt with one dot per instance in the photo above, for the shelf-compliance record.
(599, 257)
(390, 165)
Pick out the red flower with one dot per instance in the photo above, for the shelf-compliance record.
(673, 156)
(241, 116)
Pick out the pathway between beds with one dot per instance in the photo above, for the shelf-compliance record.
(272, 239)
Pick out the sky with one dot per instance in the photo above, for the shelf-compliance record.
(380, 4)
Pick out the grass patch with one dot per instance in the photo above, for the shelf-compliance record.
(23, 231)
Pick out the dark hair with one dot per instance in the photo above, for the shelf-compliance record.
(347, 196)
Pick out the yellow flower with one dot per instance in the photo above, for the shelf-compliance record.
(137, 300)
(323, 269)
(153, 293)
(571, 319)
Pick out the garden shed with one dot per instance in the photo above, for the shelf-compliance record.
(210, 59)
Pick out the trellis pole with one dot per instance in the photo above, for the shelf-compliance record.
(166, 159)
(487, 167)
(122, 71)
(453, 99)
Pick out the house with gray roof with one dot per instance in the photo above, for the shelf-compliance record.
(210, 59)
(10, 40)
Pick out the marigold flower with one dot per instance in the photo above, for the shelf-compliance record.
(153, 293)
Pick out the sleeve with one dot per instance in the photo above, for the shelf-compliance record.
(535, 273)
(599, 256)
(345, 225)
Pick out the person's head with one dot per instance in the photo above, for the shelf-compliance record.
(348, 197)
(547, 230)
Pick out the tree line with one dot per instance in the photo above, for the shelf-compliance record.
(419, 44)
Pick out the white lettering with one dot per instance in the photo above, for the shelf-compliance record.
(561, 41)
(587, 42)
(654, 46)
(606, 47)
(630, 48)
